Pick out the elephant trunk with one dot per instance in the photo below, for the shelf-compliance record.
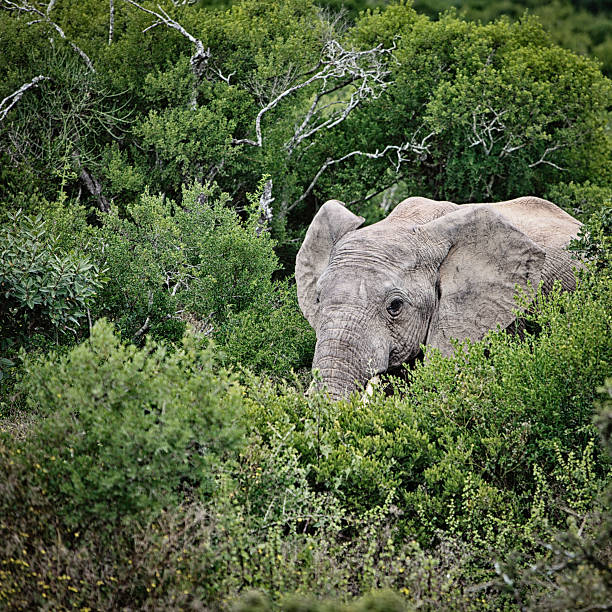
(348, 356)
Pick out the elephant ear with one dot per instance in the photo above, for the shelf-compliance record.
(329, 225)
(483, 258)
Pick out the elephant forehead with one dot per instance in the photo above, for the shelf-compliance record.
(354, 287)
(377, 251)
(356, 283)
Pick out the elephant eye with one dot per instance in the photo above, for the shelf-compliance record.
(395, 307)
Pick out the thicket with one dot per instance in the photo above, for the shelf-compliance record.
(448, 109)
(157, 446)
(154, 479)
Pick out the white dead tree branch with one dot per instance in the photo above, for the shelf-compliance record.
(266, 90)
(414, 146)
(111, 21)
(200, 57)
(489, 129)
(543, 159)
(265, 208)
(364, 71)
(26, 7)
(10, 101)
(485, 128)
(338, 68)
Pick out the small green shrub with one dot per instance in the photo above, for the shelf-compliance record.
(594, 240)
(581, 199)
(126, 430)
(197, 262)
(45, 288)
(169, 259)
(380, 601)
(272, 335)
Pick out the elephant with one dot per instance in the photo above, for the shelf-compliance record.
(430, 272)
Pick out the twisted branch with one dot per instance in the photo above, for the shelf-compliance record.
(337, 64)
(16, 95)
(25, 7)
(419, 148)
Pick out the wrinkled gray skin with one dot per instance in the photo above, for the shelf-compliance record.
(429, 272)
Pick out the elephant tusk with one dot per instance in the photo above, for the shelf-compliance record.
(369, 390)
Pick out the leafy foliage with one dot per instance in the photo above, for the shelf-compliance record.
(197, 255)
(45, 289)
(198, 263)
(138, 472)
(126, 431)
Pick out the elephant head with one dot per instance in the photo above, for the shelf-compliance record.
(429, 272)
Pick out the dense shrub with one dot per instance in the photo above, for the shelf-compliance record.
(197, 262)
(581, 200)
(206, 554)
(482, 444)
(126, 430)
(271, 336)
(196, 256)
(481, 459)
(45, 289)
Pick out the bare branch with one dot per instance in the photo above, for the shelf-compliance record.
(165, 19)
(95, 188)
(200, 57)
(145, 325)
(111, 21)
(267, 89)
(16, 95)
(218, 72)
(543, 159)
(366, 67)
(26, 7)
(484, 127)
(421, 149)
(487, 124)
(265, 208)
(92, 183)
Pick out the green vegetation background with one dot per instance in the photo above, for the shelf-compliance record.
(157, 449)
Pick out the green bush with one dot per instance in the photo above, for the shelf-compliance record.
(382, 601)
(271, 336)
(456, 81)
(168, 258)
(198, 262)
(581, 200)
(575, 571)
(464, 445)
(126, 430)
(45, 288)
